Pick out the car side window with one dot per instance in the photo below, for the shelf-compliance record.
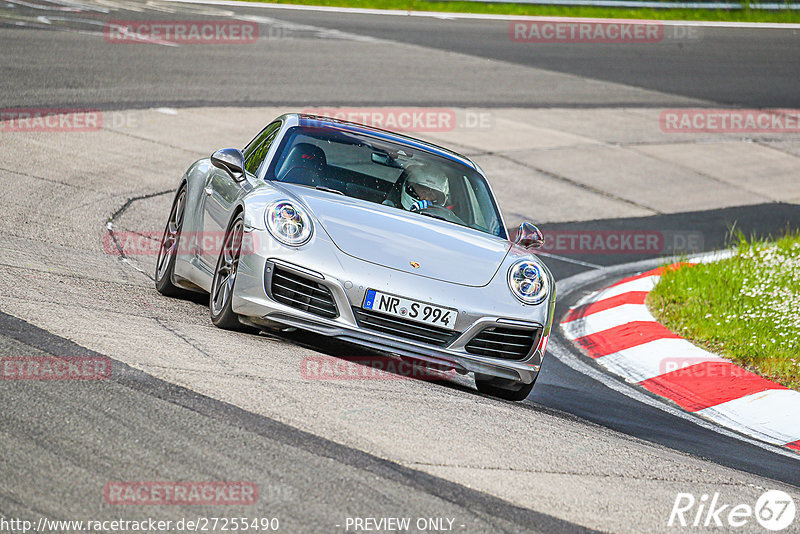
(256, 151)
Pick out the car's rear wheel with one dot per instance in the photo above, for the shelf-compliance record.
(168, 251)
(221, 297)
(502, 388)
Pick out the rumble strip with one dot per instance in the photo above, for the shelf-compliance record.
(614, 327)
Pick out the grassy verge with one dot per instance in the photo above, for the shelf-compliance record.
(740, 15)
(745, 308)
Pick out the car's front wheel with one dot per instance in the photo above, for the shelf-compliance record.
(220, 300)
(502, 388)
(168, 251)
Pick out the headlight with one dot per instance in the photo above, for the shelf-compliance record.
(288, 223)
(527, 282)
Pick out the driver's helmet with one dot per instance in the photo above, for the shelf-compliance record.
(425, 183)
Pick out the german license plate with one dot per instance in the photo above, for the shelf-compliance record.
(410, 309)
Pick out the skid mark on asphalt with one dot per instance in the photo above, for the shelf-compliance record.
(116, 215)
(155, 142)
(127, 261)
(196, 346)
(754, 194)
(564, 179)
(42, 178)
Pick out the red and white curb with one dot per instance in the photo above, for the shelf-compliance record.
(614, 327)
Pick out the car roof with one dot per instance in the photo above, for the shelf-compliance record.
(316, 121)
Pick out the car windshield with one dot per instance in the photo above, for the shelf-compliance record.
(376, 170)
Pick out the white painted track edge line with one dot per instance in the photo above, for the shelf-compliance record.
(780, 426)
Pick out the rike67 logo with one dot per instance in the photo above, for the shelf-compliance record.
(774, 510)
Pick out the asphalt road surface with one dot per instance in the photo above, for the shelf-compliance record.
(740, 67)
(189, 402)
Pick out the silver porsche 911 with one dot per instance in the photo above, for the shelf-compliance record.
(367, 236)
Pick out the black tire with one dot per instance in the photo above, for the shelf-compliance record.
(221, 296)
(503, 389)
(167, 252)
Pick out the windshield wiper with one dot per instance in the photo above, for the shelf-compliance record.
(328, 189)
(319, 187)
(434, 216)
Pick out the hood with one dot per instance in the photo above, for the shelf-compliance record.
(395, 238)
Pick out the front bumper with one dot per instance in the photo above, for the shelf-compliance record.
(347, 279)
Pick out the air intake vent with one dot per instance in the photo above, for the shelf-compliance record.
(298, 291)
(503, 342)
(404, 328)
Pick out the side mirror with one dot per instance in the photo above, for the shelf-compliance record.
(529, 236)
(231, 161)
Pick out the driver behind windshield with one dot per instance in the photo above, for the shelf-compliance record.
(424, 187)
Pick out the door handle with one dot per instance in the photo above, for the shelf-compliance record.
(208, 190)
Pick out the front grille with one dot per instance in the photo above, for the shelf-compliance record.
(404, 328)
(297, 291)
(503, 342)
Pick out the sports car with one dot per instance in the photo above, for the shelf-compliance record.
(368, 236)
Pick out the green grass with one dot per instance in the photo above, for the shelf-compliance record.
(745, 308)
(740, 15)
